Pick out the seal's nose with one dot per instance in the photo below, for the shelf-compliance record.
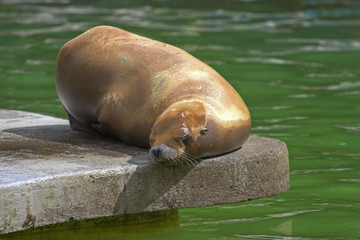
(155, 152)
(161, 153)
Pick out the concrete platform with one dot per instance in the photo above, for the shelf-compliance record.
(51, 174)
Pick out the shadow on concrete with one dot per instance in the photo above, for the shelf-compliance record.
(148, 189)
(62, 139)
(145, 186)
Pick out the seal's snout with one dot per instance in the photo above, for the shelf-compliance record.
(162, 152)
(155, 152)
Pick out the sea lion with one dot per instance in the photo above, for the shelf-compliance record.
(149, 94)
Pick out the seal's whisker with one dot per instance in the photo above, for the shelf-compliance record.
(179, 160)
(174, 161)
(189, 159)
(183, 160)
(192, 158)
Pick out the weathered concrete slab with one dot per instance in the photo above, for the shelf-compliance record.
(51, 174)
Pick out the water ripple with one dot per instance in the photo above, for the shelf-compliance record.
(302, 96)
(275, 135)
(349, 93)
(62, 28)
(319, 41)
(276, 237)
(227, 221)
(350, 180)
(353, 205)
(340, 86)
(274, 127)
(192, 21)
(245, 205)
(288, 214)
(269, 216)
(35, 1)
(196, 47)
(24, 72)
(305, 171)
(39, 62)
(312, 45)
(327, 2)
(352, 128)
(276, 120)
(330, 75)
(66, 10)
(277, 61)
(304, 49)
(276, 108)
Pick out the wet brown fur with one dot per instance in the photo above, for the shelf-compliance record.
(123, 84)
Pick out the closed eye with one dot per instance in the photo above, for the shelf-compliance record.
(182, 137)
(202, 132)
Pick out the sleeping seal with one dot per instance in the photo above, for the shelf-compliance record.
(149, 94)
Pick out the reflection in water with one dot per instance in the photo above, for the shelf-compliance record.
(284, 227)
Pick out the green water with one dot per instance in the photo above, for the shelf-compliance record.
(295, 63)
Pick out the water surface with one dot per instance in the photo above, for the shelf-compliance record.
(295, 63)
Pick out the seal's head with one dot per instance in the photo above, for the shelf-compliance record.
(174, 135)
